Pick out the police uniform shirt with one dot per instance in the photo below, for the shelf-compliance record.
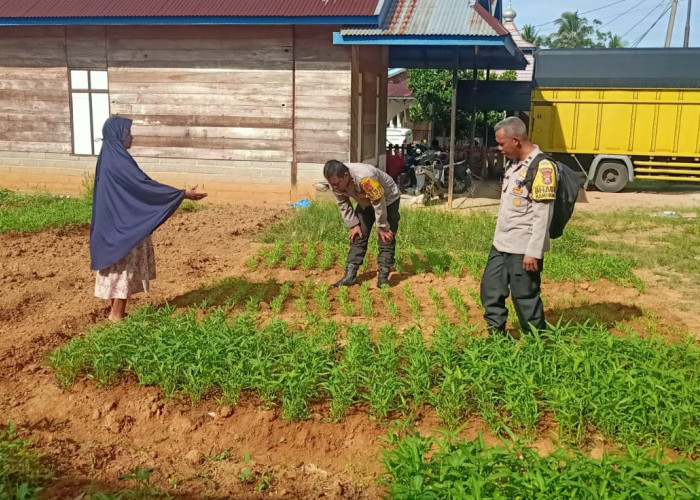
(524, 217)
(368, 186)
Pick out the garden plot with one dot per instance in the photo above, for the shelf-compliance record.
(246, 374)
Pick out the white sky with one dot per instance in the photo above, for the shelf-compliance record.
(631, 18)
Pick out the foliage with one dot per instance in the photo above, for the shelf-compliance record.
(632, 389)
(433, 91)
(447, 467)
(574, 32)
(34, 212)
(21, 471)
(448, 242)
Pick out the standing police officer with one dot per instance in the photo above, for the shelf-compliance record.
(522, 232)
(377, 197)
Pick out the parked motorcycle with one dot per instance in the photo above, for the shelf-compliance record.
(426, 172)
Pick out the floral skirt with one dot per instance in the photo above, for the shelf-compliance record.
(128, 276)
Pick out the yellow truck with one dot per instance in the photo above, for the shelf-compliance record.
(619, 114)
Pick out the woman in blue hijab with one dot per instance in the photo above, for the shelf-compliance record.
(127, 207)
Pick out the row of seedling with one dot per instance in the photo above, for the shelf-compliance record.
(365, 300)
(324, 255)
(438, 467)
(632, 389)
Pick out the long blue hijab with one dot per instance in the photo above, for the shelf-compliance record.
(127, 205)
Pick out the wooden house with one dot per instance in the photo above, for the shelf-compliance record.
(247, 99)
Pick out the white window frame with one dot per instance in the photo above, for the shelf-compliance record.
(95, 130)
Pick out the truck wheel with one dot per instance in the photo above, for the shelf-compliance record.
(611, 177)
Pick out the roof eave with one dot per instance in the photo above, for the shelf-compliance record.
(423, 40)
(192, 20)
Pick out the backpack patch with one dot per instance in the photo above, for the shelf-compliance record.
(566, 184)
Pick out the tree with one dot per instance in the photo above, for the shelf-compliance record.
(574, 32)
(433, 91)
(531, 35)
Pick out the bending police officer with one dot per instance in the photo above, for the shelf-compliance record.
(377, 197)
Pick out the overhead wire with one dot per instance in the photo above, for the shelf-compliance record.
(660, 4)
(637, 42)
(615, 17)
(585, 12)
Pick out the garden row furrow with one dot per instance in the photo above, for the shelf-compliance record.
(632, 389)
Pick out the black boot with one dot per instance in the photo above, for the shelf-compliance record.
(350, 277)
(383, 278)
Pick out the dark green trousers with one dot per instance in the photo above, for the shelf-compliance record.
(504, 275)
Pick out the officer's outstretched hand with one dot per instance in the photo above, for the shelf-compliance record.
(355, 231)
(385, 236)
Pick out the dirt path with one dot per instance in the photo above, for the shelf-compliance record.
(92, 434)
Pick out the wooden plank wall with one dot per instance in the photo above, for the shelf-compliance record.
(221, 93)
(323, 94)
(234, 102)
(34, 101)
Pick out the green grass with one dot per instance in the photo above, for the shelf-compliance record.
(442, 242)
(671, 241)
(34, 212)
(447, 467)
(21, 470)
(21, 212)
(632, 389)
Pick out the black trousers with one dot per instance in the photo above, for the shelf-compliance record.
(504, 272)
(387, 250)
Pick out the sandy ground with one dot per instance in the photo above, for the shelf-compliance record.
(91, 434)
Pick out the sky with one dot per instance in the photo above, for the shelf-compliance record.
(631, 18)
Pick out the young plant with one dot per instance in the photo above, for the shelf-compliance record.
(278, 301)
(418, 368)
(383, 381)
(252, 262)
(435, 297)
(294, 256)
(275, 255)
(458, 302)
(412, 303)
(309, 260)
(303, 291)
(346, 380)
(326, 260)
(391, 306)
(475, 296)
(366, 300)
(346, 305)
(321, 298)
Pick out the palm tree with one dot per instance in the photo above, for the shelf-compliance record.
(615, 42)
(572, 32)
(530, 34)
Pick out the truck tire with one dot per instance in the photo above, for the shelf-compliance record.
(611, 177)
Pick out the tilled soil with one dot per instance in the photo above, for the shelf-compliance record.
(91, 435)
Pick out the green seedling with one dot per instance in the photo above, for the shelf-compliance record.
(366, 300)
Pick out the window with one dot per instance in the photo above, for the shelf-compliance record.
(90, 107)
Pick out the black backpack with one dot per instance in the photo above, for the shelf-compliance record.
(567, 192)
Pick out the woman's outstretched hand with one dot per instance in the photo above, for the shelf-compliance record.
(191, 194)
